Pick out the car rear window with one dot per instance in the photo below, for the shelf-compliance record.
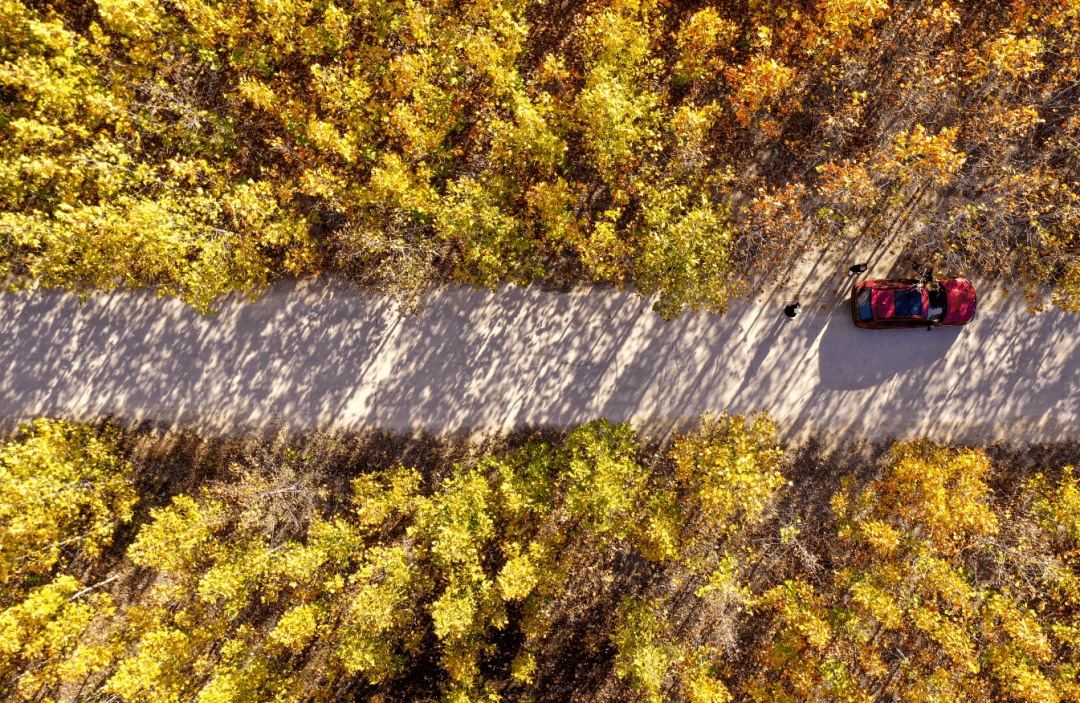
(909, 303)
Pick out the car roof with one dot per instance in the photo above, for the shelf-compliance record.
(886, 306)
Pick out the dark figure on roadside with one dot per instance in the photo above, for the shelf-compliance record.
(922, 265)
(790, 309)
(858, 268)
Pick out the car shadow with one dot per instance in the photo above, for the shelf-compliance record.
(852, 359)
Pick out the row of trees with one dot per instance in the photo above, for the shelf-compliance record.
(268, 584)
(205, 147)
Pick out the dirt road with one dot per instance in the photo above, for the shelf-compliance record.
(320, 354)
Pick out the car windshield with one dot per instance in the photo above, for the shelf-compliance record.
(909, 303)
(938, 298)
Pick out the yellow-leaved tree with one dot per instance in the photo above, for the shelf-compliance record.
(927, 600)
(725, 478)
(65, 489)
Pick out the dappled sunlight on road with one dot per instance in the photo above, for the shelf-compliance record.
(320, 354)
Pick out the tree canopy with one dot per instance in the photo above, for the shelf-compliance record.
(204, 147)
(682, 570)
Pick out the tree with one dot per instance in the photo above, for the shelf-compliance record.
(46, 640)
(276, 582)
(684, 249)
(648, 652)
(64, 490)
(699, 36)
(914, 608)
(645, 654)
(200, 148)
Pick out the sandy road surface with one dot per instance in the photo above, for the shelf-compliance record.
(321, 355)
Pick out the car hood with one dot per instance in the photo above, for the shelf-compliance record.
(961, 306)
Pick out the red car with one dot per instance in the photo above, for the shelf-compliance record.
(905, 302)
